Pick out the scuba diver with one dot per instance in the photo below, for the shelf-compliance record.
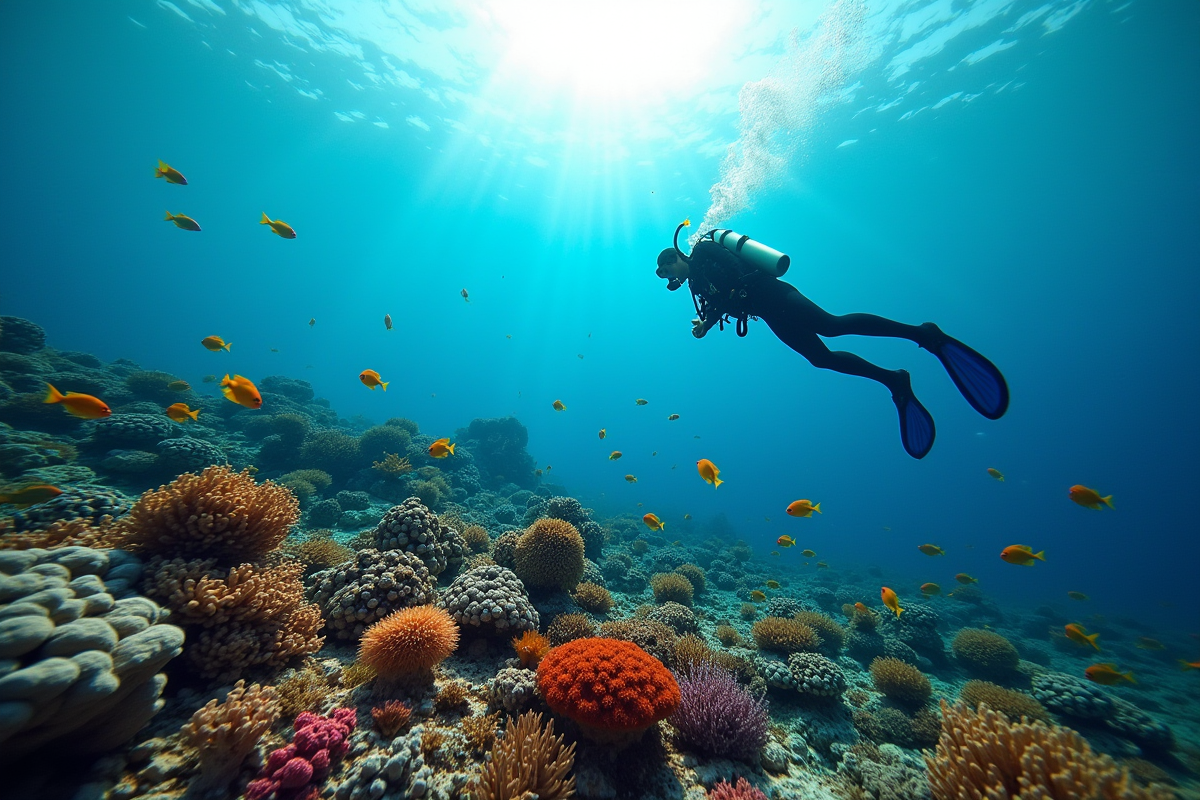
(733, 277)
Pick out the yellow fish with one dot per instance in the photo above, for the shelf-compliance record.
(964, 578)
(172, 175)
(1078, 596)
(995, 473)
(687, 516)
(631, 479)
(182, 221)
(822, 565)
(672, 418)
(614, 455)
(931, 550)
(181, 413)
(772, 584)
(641, 402)
(709, 472)
(1077, 634)
(758, 596)
(653, 522)
(687, 223)
(891, 600)
(603, 432)
(370, 379)
(1107, 674)
(558, 406)
(30, 495)
(802, 508)
(785, 541)
(808, 553)
(278, 226)
(179, 386)
(442, 448)
(241, 391)
(930, 589)
(215, 344)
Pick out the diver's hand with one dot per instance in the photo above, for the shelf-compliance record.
(699, 328)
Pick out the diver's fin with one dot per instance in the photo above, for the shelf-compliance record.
(978, 379)
(917, 431)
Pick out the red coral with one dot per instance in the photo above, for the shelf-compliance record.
(607, 684)
(741, 791)
(294, 772)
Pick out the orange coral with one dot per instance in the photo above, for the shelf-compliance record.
(218, 514)
(531, 647)
(391, 717)
(607, 684)
(409, 640)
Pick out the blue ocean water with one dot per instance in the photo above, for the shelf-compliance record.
(1025, 175)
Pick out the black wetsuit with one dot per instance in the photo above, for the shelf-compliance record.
(723, 284)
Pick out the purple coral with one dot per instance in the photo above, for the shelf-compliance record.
(717, 717)
(294, 772)
(741, 791)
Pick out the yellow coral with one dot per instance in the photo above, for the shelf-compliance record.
(785, 635)
(393, 464)
(672, 586)
(901, 682)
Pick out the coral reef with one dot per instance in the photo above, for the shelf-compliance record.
(513, 689)
(785, 635)
(391, 717)
(531, 647)
(650, 635)
(592, 597)
(412, 527)
(671, 587)
(489, 599)
(678, 617)
(568, 627)
(815, 675)
(985, 653)
(901, 682)
(356, 594)
(1012, 704)
(408, 641)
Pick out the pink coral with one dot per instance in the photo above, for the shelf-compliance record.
(743, 790)
(293, 772)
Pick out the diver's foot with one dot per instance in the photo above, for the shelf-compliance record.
(977, 379)
(917, 431)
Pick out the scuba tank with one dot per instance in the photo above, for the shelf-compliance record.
(757, 254)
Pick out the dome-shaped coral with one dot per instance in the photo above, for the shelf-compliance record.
(410, 640)
(550, 555)
(984, 652)
(607, 685)
(901, 682)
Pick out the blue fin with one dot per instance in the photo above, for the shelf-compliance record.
(917, 430)
(977, 379)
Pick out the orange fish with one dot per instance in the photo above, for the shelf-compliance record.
(672, 418)
(930, 589)
(215, 343)
(931, 550)
(603, 432)
(1077, 634)
(181, 413)
(1089, 498)
(558, 406)
(30, 495)
(653, 522)
(995, 473)
(78, 405)
(861, 608)
(182, 221)
(964, 578)
(278, 226)
(172, 175)
(1107, 674)
(1022, 555)
(785, 541)
(442, 448)
(802, 508)
(241, 391)
(709, 472)
(631, 479)
(1186, 665)
(370, 379)
(387, 321)
(890, 600)
(614, 455)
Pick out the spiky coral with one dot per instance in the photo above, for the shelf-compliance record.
(785, 635)
(1011, 704)
(901, 682)
(218, 514)
(833, 635)
(717, 718)
(568, 627)
(982, 755)
(593, 597)
(549, 555)
(531, 648)
(985, 652)
(391, 717)
(410, 640)
(529, 761)
(223, 734)
(672, 587)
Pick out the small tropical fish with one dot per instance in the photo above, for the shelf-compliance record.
(1078, 596)
(1146, 643)
(465, 296)
(861, 608)
(181, 413)
(215, 344)
(253, 470)
(1078, 635)
(930, 589)
(30, 495)
(631, 479)
(558, 406)
(964, 578)
(772, 584)
(1186, 665)
(603, 432)
(442, 448)
(672, 417)
(537, 472)
(241, 391)
(931, 550)
(312, 321)
(1089, 498)
(182, 221)
(387, 322)
(278, 226)
(641, 402)
(614, 455)
(210, 378)
(508, 336)
(548, 468)
(785, 541)
(709, 472)
(179, 386)
(995, 473)
(808, 553)
(758, 596)
(370, 379)
(1022, 555)
(656, 453)
(775, 553)
(802, 508)
(1107, 674)
(83, 406)
(687, 516)
(653, 522)
(822, 565)
(891, 600)
(170, 173)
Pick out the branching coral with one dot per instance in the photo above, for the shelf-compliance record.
(785, 635)
(391, 717)
(223, 734)
(393, 465)
(85, 532)
(219, 514)
(529, 761)
(901, 682)
(531, 648)
(480, 732)
(318, 550)
(981, 756)
(303, 691)
(742, 790)
(451, 696)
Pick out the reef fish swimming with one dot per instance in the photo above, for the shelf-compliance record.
(1089, 498)
(30, 495)
(83, 406)
(241, 391)
(370, 379)
(280, 227)
(1022, 555)
(182, 221)
(709, 472)
(171, 174)
(442, 448)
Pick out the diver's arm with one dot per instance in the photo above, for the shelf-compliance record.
(701, 326)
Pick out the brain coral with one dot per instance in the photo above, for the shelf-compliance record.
(607, 685)
(218, 514)
(410, 640)
(550, 555)
(985, 652)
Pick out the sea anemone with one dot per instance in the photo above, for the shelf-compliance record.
(408, 641)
